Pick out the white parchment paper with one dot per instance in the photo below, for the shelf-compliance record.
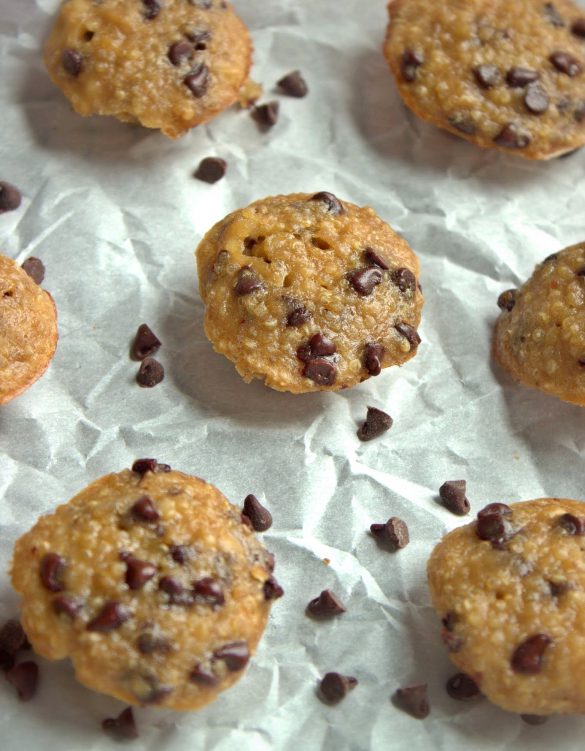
(115, 215)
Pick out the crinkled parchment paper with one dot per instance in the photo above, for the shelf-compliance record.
(115, 214)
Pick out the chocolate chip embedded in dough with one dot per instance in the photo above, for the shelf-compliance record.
(452, 495)
(321, 346)
(203, 675)
(377, 422)
(211, 169)
(294, 84)
(144, 510)
(146, 342)
(24, 677)
(552, 15)
(409, 333)
(142, 466)
(197, 81)
(66, 605)
(122, 727)
(372, 359)
(566, 63)
(334, 687)
(110, 617)
(209, 590)
(519, 77)
(180, 51)
(247, 281)
(235, 655)
(375, 258)
(266, 115)
(326, 605)
(507, 299)
(528, 656)
(10, 197)
(298, 316)
(578, 28)
(35, 268)
(463, 122)
(148, 643)
(393, 535)
(462, 687)
(495, 508)
(260, 517)
(487, 76)
(138, 572)
(573, 525)
(150, 373)
(493, 527)
(151, 9)
(410, 62)
(413, 700)
(322, 372)
(72, 62)
(52, 570)
(404, 279)
(536, 99)
(511, 137)
(180, 554)
(272, 589)
(365, 280)
(331, 202)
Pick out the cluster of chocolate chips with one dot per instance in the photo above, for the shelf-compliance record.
(22, 676)
(146, 343)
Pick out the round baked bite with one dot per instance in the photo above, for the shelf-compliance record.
(28, 330)
(540, 335)
(502, 75)
(151, 582)
(168, 65)
(510, 589)
(309, 293)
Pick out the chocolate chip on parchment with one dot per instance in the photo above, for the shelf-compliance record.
(487, 76)
(272, 589)
(180, 51)
(180, 553)
(452, 495)
(247, 281)
(462, 687)
(142, 466)
(376, 423)
(326, 605)
(536, 99)
(138, 572)
(110, 617)
(331, 202)
(552, 15)
(211, 169)
(298, 316)
(12, 637)
(122, 727)
(393, 535)
(260, 517)
(197, 81)
(573, 525)
(266, 115)
(566, 63)
(203, 675)
(375, 258)
(66, 605)
(334, 687)
(404, 279)
(511, 137)
(146, 342)
(148, 643)
(413, 700)
(150, 373)
(72, 62)
(365, 280)
(35, 268)
(534, 719)
(409, 333)
(151, 9)
(235, 655)
(321, 371)
(519, 77)
(24, 677)
(373, 356)
(294, 84)
(578, 28)
(10, 197)
(410, 61)
(209, 590)
(52, 569)
(527, 657)
(507, 299)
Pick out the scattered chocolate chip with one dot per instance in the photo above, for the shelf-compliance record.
(52, 570)
(487, 76)
(322, 372)
(66, 605)
(326, 605)
(373, 356)
(528, 656)
(235, 655)
(148, 643)
(552, 15)
(146, 343)
(461, 687)
(266, 115)
(180, 51)
(404, 279)
(35, 268)
(365, 280)
(247, 281)
(111, 616)
(272, 589)
(507, 299)
(536, 99)
(138, 572)
(122, 727)
(413, 700)
(452, 495)
(197, 81)
(578, 28)
(211, 169)
(519, 77)
(294, 84)
(24, 677)
(376, 423)
(534, 719)
(511, 137)
(410, 62)
(180, 554)
(12, 637)
(203, 675)
(463, 122)
(298, 316)
(150, 373)
(72, 62)
(566, 63)
(151, 9)
(573, 525)
(393, 535)
(142, 466)
(10, 198)
(409, 333)
(375, 258)
(334, 687)
(260, 517)
(209, 590)
(144, 510)
(331, 202)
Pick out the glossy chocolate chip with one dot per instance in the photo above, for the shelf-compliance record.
(247, 281)
(209, 590)
(536, 99)
(528, 656)
(393, 535)
(452, 495)
(146, 342)
(511, 137)
(203, 675)
(110, 617)
(413, 700)
(150, 373)
(487, 76)
(67, 606)
(148, 643)
(376, 423)
(495, 508)
(410, 62)
(12, 637)
(519, 77)
(72, 62)
(331, 202)
(35, 268)
(142, 466)
(197, 81)
(552, 15)
(334, 687)
(534, 719)
(507, 299)
(52, 570)
(578, 28)
(321, 346)
(404, 279)
(365, 280)
(409, 333)
(10, 197)
(138, 572)
(151, 9)
(462, 687)
(144, 510)
(272, 589)
(573, 525)
(180, 51)
(266, 115)
(321, 371)
(326, 605)
(566, 63)
(375, 258)
(298, 316)
(122, 727)
(260, 517)
(235, 655)
(24, 677)
(180, 553)
(493, 527)
(293, 84)
(373, 356)
(211, 169)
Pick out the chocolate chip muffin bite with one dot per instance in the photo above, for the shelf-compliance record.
(510, 590)
(539, 337)
(151, 582)
(167, 65)
(309, 293)
(509, 76)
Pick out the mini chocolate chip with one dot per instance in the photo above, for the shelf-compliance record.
(552, 15)
(364, 281)
(334, 687)
(321, 346)
(110, 617)
(35, 268)
(331, 202)
(197, 81)
(144, 510)
(409, 333)
(247, 281)
(375, 258)
(578, 28)
(536, 99)
(511, 137)
(566, 63)
(452, 495)
(326, 605)
(463, 122)
(493, 528)
(413, 700)
(487, 76)
(494, 508)
(294, 84)
(410, 62)
(322, 372)
(534, 719)
(66, 605)
(176, 592)
(260, 517)
(198, 36)
(24, 677)
(52, 570)
(138, 572)
(10, 198)
(180, 554)
(155, 693)
(210, 590)
(72, 62)
(122, 727)
(298, 316)
(373, 356)
(142, 466)
(393, 535)
(235, 655)
(573, 525)
(266, 115)
(376, 423)
(272, 589)
(461, 687)
(211, 169)
(557, 589)
(12, 637)
(519, 77)
(581, 271)
(404, 279)
(527, 657)
(507, 299)
(180, 51)
(151, 9)
(150, 373)
(148, 643)
(146, 342)
(203, 675)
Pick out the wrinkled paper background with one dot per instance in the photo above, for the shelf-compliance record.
(115, 215)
